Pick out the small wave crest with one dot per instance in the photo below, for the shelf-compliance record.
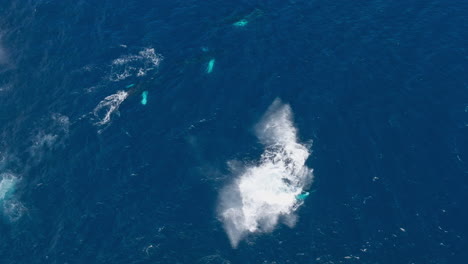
(104, 110)
(266, 193)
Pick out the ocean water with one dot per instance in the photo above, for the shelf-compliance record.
(287, 131)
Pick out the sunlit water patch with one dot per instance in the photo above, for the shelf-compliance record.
(266, 193)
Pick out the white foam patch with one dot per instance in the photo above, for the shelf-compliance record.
(134, 65)
(264, 194)
(12, 209)
(104, 110)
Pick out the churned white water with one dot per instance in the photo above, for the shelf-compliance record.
(104, 110)
(266, 193)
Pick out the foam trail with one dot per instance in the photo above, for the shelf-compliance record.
(264, 194)
(109, 105)
(134, 65)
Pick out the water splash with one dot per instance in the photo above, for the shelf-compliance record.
(264, 194)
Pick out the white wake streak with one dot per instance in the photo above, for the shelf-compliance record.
(265, 194)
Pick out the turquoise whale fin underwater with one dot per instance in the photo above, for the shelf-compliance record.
(144, 97)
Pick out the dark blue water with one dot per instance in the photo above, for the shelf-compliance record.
(378, 88)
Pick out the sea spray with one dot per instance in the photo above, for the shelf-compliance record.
(266, 193)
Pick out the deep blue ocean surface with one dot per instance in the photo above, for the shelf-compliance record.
(250, 106)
